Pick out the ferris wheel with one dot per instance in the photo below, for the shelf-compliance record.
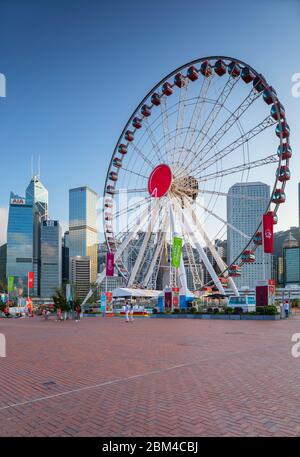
(209, 124)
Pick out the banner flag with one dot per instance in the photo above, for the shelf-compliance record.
(10, 283)
(110, 264)
(176, 251)
(30, 279)
(268, 235)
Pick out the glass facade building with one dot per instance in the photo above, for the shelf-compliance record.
(82, 226)
(19, 241)
(37, 196)
(51, 257)
(246, 203)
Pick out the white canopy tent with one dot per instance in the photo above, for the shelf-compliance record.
(124, 292)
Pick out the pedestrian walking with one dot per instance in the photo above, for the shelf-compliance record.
(58, 314)
(286, 308)
(131, 313)
(78, 312)
(127, 312)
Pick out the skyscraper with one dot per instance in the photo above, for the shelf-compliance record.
(51, 257)
(82, 226)
(19, 241)
(65, 257)
(37, 196)
(24, 234)
(246, 203)
(80, 275)
(291, 260)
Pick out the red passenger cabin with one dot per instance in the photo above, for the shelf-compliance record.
(192, 73)
(257, 239)
(146, 111)
(278, 196)
(247, 75)
(137, 123)
(179, 80)
(285, 151)
(122, 149)
(220, 67)
(167, 89)
(248, 256)
(206, 69)
(234, 271)
(283, 173)
(155, 99)
(234, 69)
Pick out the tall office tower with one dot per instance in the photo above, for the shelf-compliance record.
(51, 257)
(246, 203)
(82, 226)
(37, 196)
(3, 257)
(80, 275)
(65, 257)
(19, 241)
(299, 204)
(291, 260)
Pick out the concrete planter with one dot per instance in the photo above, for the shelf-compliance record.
(232, 317)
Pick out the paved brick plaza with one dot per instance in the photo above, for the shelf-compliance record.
(155, 377)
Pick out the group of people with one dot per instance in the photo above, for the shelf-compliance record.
(128, 312)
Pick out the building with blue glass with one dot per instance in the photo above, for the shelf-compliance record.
(82, 226)
(20, 226)
(51, 257)
(24, 235)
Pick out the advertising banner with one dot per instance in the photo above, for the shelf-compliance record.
(176, 251)
(109, 264)
(30, 279)
(69, 293)
(10, 283)
(268, 236)
(103, 303)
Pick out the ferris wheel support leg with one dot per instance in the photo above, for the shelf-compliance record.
(118, 253)
(219, 261)
(182, 272)
(199, 248)
(152, 221)
(158, 250)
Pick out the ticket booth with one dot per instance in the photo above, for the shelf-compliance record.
(265, 292)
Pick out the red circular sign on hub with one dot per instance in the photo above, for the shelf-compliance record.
(160, 181)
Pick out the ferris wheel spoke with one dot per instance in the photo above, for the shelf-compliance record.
(197, 112)
(141, 154)
(129, 191)
(246, 137)
(203, 133)
(134, 173)
(225, 194)
(219, 218)
(180, 118)
(155, 146)
(132, 207)
(165, 126)
(230, 121)
(240, 168)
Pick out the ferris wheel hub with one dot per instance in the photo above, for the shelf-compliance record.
(160, 181)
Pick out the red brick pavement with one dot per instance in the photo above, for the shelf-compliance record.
(155, 377)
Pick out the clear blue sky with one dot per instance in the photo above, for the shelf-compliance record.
(76, 69)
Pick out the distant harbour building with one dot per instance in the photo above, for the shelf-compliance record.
(51, 257)
(82, 226)
(246, 203)
(291, 260)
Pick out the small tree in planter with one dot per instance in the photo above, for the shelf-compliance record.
(60, 301)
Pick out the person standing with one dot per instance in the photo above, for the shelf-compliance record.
(58, 314)
(78, 312)
(126, 311)
(131, 313)
(286, 308)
